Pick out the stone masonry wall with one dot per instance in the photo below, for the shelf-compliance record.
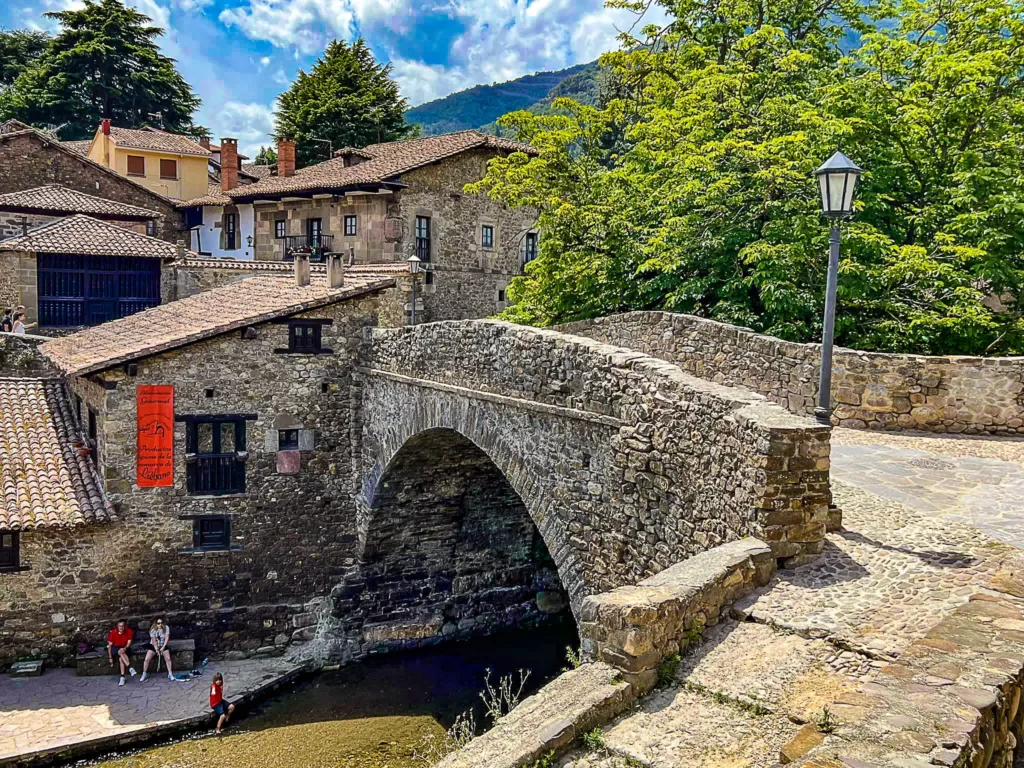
(626, 464)
(369, 244)
(28, 161)
(969, 395)
(19, 283)
(20, 357)
(15, 224)
(293, 535)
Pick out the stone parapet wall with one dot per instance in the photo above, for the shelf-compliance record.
(20, 357)
(871, 390)
(635, 628)
(626, 463)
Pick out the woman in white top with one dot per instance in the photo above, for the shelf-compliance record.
(159, 637)
(19, 323)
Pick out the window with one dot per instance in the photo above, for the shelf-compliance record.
(531, 247)
(136, 165)
(9, 555)
(151, 228)
(168, 169)
(287, 439)
(350, 226)
(304, 337)
(423, 245)
(501, 294)
(314, 228)
(487, 236)
(230, 231)
(216, 445)
(211, 533)
(94, 442)
(279, 228)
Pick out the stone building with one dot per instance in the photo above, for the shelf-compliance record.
(30, 158)
(79, 270)
(32, 208)
(198, 450)
(387, 202)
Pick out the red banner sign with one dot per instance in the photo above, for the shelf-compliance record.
(154, 455)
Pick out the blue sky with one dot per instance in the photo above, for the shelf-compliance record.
(240, 54)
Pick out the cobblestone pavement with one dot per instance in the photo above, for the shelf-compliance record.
(927, 522)
(970, 480)
(59, 709)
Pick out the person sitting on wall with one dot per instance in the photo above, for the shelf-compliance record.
(120, 637)
(159, 637)
(221, 707)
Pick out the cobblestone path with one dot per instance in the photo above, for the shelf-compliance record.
(59, 709)
(928, 521)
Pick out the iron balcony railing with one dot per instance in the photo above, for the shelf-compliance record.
(317, 246)
(214, 474)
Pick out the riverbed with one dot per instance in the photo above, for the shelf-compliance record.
(375, 714)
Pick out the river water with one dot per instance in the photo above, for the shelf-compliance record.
(375, 714)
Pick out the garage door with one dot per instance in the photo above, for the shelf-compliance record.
(88, 290)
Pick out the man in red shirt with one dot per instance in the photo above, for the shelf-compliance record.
(222, 708)
(120, 637)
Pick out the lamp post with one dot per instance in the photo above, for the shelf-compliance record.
(415, 267)
(837, 179)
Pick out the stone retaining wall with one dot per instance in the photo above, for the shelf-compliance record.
(871, 390)
(635, 628)
(20, 357)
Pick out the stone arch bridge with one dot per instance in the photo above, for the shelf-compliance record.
(507, 469)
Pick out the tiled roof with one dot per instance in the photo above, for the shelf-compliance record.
(86, 235)
(54, 198)
(82, 147)
(211, 313)
(214, 196)
(49, 140)
(389, 161)
(44, 481)
(156, 141)
(257, 171)
(14, 126)
(282, 267)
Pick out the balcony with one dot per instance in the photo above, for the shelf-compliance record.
(315, 246)
(215, 474)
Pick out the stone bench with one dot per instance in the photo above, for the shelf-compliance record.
(92, 663)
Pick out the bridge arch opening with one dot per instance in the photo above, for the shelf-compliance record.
(451, 550)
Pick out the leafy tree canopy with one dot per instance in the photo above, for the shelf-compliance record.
(104, 63)
(18, 49)
(266, 156)
(690, 189)
(347, 99)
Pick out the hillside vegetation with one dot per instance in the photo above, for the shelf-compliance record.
(482, 105)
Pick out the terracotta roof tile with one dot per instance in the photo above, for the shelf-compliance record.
(214, 196)
(156, 141)
(286, 267)
(44, 481)
(389, 161)
(85, 235)
(82, 147)
(188, 320)
(54, 198)
(257, 171)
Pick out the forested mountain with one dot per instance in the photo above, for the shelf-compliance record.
(480, 106)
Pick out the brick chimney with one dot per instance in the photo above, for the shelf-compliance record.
(228, 164)
(335, 270)
(105, 127)
(301, 269)
(204, 142)
(286, 157)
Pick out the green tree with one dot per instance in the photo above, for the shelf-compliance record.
(18, 49)
(104, 63)
(347, 99)
(702, 201)
(266, 156)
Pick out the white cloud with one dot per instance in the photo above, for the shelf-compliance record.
(250, 123)
(264, 61)
(281, 78)
(192, 5)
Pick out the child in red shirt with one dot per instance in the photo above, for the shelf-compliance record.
(120, 637)
(221, 708)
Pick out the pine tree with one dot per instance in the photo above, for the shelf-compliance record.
(18, 49)
(104, 63)
(347, 99)
(266, 156)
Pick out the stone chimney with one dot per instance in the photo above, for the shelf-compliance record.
(302, 269)
(228, 164)
(335, 270)
(285, 157)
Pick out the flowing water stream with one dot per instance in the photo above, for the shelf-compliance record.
(374, 714)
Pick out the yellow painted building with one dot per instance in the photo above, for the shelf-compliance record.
(167, 163)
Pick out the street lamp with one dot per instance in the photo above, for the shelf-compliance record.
(837, 179)
(415, 268)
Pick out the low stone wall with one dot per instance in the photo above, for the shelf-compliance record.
(20, 357)
(870, 390)
(636, 628)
